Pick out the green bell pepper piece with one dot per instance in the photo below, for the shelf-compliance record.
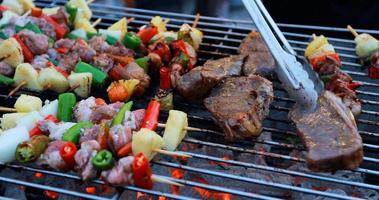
(3, 36)
(99, 77)
(66, 103)
(143, 63)
(93, 34)
(73, 133)
(33, 27)
(6, 80)
(72, 10)
(121, 113)
(111, 40)
(131, 40)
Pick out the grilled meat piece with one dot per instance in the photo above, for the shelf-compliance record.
(104, 112)
(199, 81)
(134, 119)
(55, 130)
(103, 62)
(259, 59)
(239, 105)
(83, 159)
(134, 71)
(37, 43)
(6, 69)
(41, 61)
(121, 173)
(329, 66)
(89, 133)
(119, 135)
(52, 158)
(330, 135)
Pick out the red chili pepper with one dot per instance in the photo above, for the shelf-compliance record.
(28, 55)
(114, 73)
(3, 8)
(163, 51)
(125, 150)
(102, 137)
(67, 152)
(62, 50)
(99, 101)
(315, 61)
(373, 72)
(36, 12)
(36, 130)
(61, 71)
(150, 120)
(60, 31)
(165, 80)
(81, 41)
(147, 33)
(353, 86)
(142, 172)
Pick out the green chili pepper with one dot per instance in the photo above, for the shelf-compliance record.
(31, 150)
(131, 40)
(185, 36)
(121, 113)
(169, 39)
(73, 133)
(99, 77)
(66, 103)
(72, 10)
(326, 78)
(6, 80)
(111, 40)
(3, 36)
(103, 160)
(55, 62)
(32, 27)
(183, 59)
(143, 63)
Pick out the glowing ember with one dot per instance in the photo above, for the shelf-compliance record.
(162, 198)
(206, 194)
(91, 190)
(176, 173)
(38, 175)
(51, 194)
(141, 195)
(221, 164)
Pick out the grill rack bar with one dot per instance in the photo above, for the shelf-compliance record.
(223, 46)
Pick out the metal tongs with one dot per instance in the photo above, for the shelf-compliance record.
(298, 79)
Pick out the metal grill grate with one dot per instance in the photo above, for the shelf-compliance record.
(221, 38)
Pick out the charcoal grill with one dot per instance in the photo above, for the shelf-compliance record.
(222, 38)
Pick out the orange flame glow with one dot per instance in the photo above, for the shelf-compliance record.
(176, 173)
(141, 196)
(91, 190)
(206, 194)
(51, 194)
(38, 175)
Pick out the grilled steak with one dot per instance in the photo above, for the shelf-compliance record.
(198, 82)
(259, 59)
(239, 104)
(329, 134)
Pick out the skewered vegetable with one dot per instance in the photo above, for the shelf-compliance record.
(26, 52)
(29, 120)
(31, 150)
(50, 108)
(82, 5)
(125, 150)
(14, 6)
(142, 172)
(37, 129)
(143, 63)
(84, 24)
(9, 140)
(147, 33)
(158, 22)
(26, 72)
(175, 129)
(121, 25)
(98, 77)
(6, 81)
(146, 141)
(11, 53)
(121, 90)
(150, 120)
(131, 40)
(164, 94)
(103, 160)
(82, 83)
(8, 120)
(316, 43)
(119, 118)
(51, 79)
(73, 133)
(28, 103)
(66, 103)
(191, 35)
(67, 152)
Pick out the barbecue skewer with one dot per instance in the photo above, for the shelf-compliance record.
(188, 128)
(17, 88)
(90, 1)
(172, 153)
(95, 23)
(197, 18)
(352, 31)
(6, 109)
(159, 179)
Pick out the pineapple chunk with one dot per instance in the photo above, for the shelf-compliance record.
(11, 53)
(174, 131)
(317, 42)
(323, 50)
(50, 11)
(146, 141)
(85, 25)
(365, 45)
(28, 103)
(81, 4)
(82, 82)
(27, 4)
(26, 72)
(158, 22)
(51, 79)
(9, 120)
(14, 6)
(121, 25)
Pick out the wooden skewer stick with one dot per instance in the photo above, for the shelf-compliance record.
(17, 88)
(72, 88)
(95, 23)
(191, 129)
(352, 31)
(159, 179)
(172, 153)
(313, 35)
(197, 18)
(90, 1)
(129, 20)
(6, 109)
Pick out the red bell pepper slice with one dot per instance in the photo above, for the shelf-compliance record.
(36, 12)
(147, 33)
(125, 150)
(102, 137)
(150, 120)
(36, 130)
(353, 86)
(315, 61)
(60, 70)
(3, 8)
(67, 152)
(142, 172)
(28, 55)
(60, 31)
(114, 73)
(373, 72)
(165, 80)
(99, 101)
